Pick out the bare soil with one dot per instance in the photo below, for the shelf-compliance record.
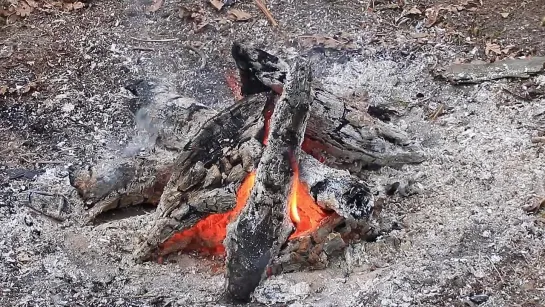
(73, 84)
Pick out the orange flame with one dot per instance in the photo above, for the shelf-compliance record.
(207, 235)
(303, 210)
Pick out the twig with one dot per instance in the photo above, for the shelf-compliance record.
(437, 112)
(47, 215)
(496, 269)
(143, 49)
(266, 12)
(148, 40)
(13, 80)
(200, 53)
(48, 162)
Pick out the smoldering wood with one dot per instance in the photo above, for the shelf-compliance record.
(140, 173)
(337, 190)
(341, 128)
(315, 250)
(263, 226)
(212, 164)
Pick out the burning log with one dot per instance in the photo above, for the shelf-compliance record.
(341, 131)
(263, 226)
(241, 176)
(208, 171)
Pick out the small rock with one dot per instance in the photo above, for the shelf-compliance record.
(479, 298)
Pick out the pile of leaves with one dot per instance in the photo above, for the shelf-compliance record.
(12, 10)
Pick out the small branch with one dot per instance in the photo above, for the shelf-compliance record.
(142, 49)
(47, 215)
(49, 162)
(148, 40)
(266, 12)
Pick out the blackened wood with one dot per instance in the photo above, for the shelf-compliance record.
(340, 128)
(215, 161)
(263, 226)
(315, 250)
(337, 190)
(351, 138)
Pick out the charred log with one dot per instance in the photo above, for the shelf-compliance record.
(315, 250)
(255, 238)
(342, 129)
(207, 173)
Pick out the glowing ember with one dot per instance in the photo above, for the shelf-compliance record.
(207, 235)
(304, 212)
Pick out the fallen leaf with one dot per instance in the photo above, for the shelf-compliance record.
(32, 3)
(3, 90)
(491, 47)
(78, 5)
(535, 206)
(239, 15)
(218, 4)
(507, 48)
(432, 15)
(155, 6)
(504, 15)
(413, 11)
(23, 9)
(328, 42)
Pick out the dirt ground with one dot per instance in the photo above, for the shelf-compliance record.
(71, 84)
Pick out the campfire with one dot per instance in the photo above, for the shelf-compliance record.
(264, 182)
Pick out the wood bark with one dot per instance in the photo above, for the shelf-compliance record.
(207, 173)
(341, 128)
(263, 226)
(336, 190)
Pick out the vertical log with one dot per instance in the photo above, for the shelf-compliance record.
(257, 235)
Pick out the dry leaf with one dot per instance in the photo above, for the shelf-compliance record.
(504, 15)
(78, 5)
(32, 3)
(238, 15)
(3, 90)
(413, 11)
(432, 15)
(218, 4)
(491, 47)
(155, 6)
(23, 9)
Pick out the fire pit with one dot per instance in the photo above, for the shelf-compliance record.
(264, 181)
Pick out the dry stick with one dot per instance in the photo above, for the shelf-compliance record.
(142, 49)
(164, 40)
(266, 12)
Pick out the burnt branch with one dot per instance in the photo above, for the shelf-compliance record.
(263, 226)
(343, 130)
(220, 156)
(337, 190)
